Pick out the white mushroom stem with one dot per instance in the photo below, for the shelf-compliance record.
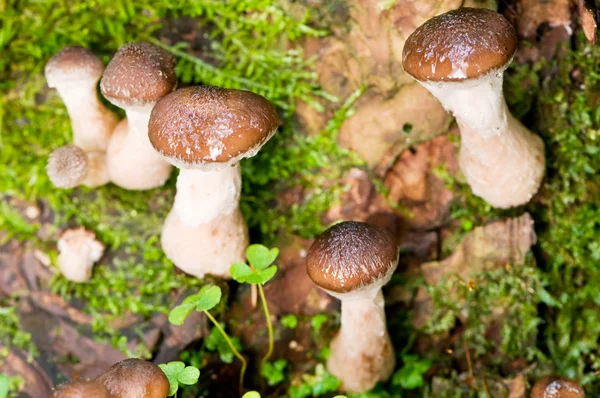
(205, 231)
(92, 122)
(362, 353)
(132, 161)
(203, 195)
(502, 161)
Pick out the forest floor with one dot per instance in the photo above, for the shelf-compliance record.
(484, 301)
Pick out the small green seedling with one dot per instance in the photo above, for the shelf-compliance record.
(258, 271)
(289, 321)
(203, 301)
(275, 372)
(177, 373)
(251, 394)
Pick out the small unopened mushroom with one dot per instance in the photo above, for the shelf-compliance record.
(557, 387)
(205, 132)
(74, 72)
(78, 251)
(135, 378)
(460, 57)
(81, 389)
(69, 166)
(138, 75)
(352, 261)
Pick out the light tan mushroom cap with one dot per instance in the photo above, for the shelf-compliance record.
(80, 389)
(203, 125)
(461, 44)
(67, 166)
(73, 65)
(352, 255)
(138, 74)
(135, 378)
(557, 387)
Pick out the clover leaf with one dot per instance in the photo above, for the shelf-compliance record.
(260, 270)
(207, 298)
(177, 373)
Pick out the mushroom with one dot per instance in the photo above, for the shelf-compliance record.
(135, 378)
(138, 75)
(81, 389)
(557, 387)
(352, 261)
(69, 166)
(205, 132)
(78, 251)
(75, 72)
(460, 57)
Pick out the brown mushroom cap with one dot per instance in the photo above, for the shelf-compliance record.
(202, 125)
(139, 73)
(73, 65)
(135, 378)
(67, 166)
(80, 389)
(557, 387)
(461, 44)
(352, 255)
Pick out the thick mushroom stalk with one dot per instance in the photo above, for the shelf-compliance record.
(78, 251)
(205, 132)
(460, 57)
(74, 72)
(352, 261)
(138, 75)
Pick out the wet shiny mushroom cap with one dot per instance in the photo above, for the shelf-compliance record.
(557, 387)
(139, 73)
(81, 389)
(198, 126)
(73, 65)
(135, 378)
(67, 166)
(461, 44)
(352, 255)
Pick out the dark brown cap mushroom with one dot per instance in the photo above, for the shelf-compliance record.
(73, 65)
(206, 124)
(135, 378)
(81, 389)
(557, 387)
(461, 44)
(139, 73)
(352, 255)
(67, 166)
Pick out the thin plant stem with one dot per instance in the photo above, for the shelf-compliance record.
(269, 328)
(235, 351)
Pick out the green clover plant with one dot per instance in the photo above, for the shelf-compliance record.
(203, 301)
(258, 271)
(177, 373)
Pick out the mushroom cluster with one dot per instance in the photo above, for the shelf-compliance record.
(105, 149)
(205, 131)
(460, 57)
(352, 261)
(74, 72)
(130, 378)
